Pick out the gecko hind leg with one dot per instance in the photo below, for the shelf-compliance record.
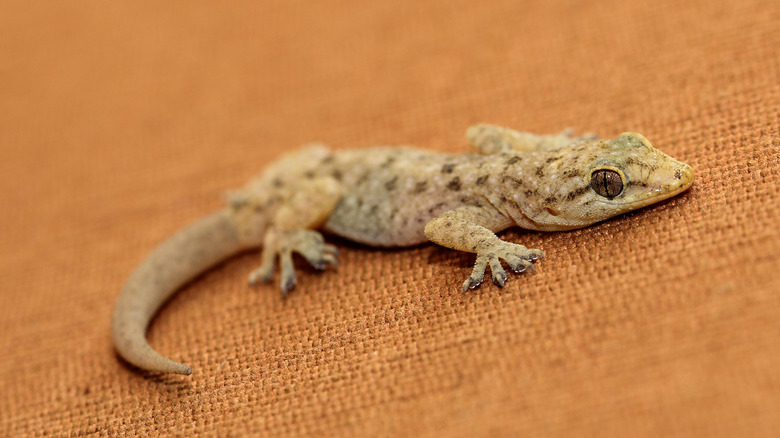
(308, 243)
(291, 231)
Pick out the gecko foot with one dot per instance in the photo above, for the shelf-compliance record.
(308, 243)
(518, 257)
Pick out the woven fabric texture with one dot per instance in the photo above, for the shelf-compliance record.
(122, 121)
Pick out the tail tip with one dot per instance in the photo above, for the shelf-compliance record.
(182, 369)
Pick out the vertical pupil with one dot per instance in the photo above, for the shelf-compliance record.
(607, 183)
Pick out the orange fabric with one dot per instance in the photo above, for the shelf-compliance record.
(122, 121)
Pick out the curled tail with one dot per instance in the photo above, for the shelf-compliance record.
(176, 261)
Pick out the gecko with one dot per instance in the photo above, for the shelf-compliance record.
(402, 196)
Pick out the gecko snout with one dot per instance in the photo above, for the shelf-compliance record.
(684, 177)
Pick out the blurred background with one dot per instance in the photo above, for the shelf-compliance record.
(122, 121)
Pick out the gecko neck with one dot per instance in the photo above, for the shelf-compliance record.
(522, 190)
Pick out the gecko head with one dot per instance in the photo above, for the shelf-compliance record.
(613, 177)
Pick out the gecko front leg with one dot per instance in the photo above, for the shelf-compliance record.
(292, 231)
(472, 229)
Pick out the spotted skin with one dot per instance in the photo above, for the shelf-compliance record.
(392, 197)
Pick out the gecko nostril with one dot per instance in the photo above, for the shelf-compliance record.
(684, 173)
(684, 177)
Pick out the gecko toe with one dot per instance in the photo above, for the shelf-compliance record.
(499, 274)
(323, 261)
(477, 274)
(535, 254)
(520, 266)
(328, 248)
(471, 283)
(288, 271)
(330, 259)
(500, 278)
(263, 274)
(516, 263)
(287, 285)
(313, 248)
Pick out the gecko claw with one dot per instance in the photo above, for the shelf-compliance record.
(288, 286)
(471, 283)
(520, 267)
(330, 249)
(499, 278)
(322, 262)
(261, 275)
(535, 254)
(499, 274)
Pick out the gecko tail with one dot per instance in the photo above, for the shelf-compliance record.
(173, 263)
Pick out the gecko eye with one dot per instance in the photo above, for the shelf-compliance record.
(606, 183)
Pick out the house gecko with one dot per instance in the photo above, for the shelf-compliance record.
(394, 197)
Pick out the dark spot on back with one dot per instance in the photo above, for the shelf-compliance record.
(276, 182)
(363, 178)
(553, 158)
(454, 185)
(420, 187)
(550, 199)
(387, 162)
(517, 182)
(513, 160)
(309, 174)
(327, 160)
(447, 168)
(540, 171)
(481, 180)
(390, 185)
(337, 175)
